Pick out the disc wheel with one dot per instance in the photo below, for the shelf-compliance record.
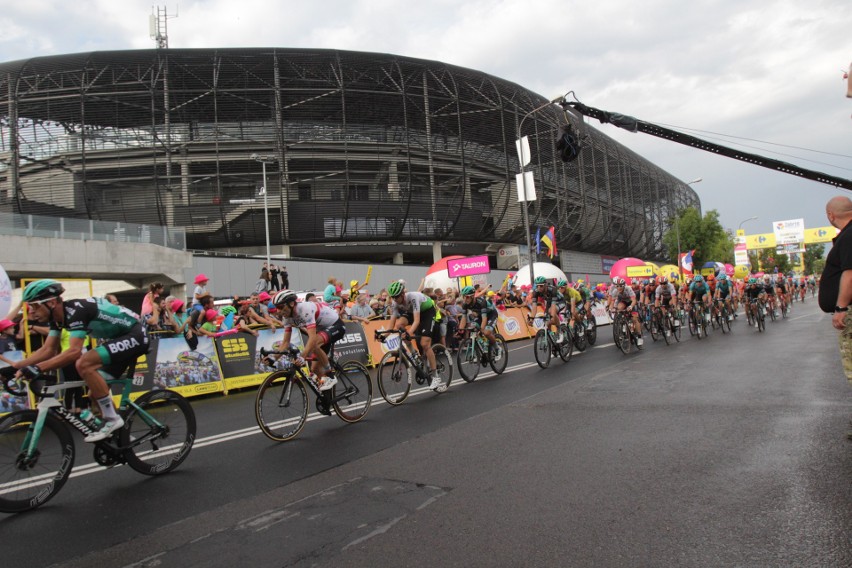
(541, 349)
(394, 378)
(467, 360)
(281, 406)
(352, 396)
(160, 436)
(498, 356)
(27, 483)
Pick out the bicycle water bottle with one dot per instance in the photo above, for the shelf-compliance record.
(88, 417)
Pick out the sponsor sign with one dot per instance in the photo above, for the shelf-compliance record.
(236, 354)
(761, 241)
(9, 402)
(600, 313)
(352, 346)
(528, 183)
(740, 252)
(640, 271)
(185, 371)
(510, 324)
(812, 236)
(468, 266)
(607, 262)
(789, 232)
(708, 271)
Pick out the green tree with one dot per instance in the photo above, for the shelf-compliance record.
(704, 234)
(814, 253)
(770, 260)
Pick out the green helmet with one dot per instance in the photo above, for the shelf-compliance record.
(395, 289)
(562, 283)
(41, 290)
(752, 280)
(467, 291)
(540, 280)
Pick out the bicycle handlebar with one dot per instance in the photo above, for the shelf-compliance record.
(382, 335)
(291, 352)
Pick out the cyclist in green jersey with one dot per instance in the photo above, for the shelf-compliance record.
(124, 340)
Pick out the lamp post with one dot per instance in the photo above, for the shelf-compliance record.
(264, 160)
(746, 221)
(523, 158)
(677, 232)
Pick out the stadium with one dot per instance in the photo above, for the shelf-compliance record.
(367, 156)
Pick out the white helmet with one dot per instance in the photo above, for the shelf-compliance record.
(285, 296)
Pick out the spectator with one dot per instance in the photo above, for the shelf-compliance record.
(200, 289)
(454, 312)
(160, 318)
(285, 278)
(259, 312)
(7, 339)
(361, 311)
(263, 283)
(178, 315)
(273, 278)
(835, 291)
(330, 293)
(155, 289)
(197, 318)
(355, 289)
(210, 325)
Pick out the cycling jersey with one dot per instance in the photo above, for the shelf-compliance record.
(769, 288)
(699, 289)
(585, 293)
(310, 315)
(664, 292)
(752, 291)
(481, 306)
(626, 296)
(412, 303)
(547, 297)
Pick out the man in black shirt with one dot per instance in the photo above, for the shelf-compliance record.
(835, 290)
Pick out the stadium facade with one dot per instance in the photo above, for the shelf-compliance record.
(369, 155)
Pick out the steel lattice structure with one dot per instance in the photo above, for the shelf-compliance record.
(367, 148)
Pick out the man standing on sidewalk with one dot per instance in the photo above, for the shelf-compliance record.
(835, 291)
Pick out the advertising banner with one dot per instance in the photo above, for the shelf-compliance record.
(246, 370)
(185, 371)
(607, 262)
(820, 235)
(600, 313)
(5, 293)
(640, 271)
(511, 324)
(468, 266)
(761, 241)
(353, 345)
(789, 232)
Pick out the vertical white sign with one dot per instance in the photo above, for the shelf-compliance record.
(522, 145)
(525, 181)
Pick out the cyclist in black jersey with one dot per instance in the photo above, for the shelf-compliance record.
(124, 341)
(479, 308)
(545, 295)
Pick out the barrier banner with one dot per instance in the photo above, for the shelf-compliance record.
(246, 370)
(376, 349)
(143, 375)
(353, 345)
(600, 313)
(511, 324)
(236, 354)
(185, 371)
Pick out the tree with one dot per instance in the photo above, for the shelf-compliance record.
(704, 234)
(814, 254)
(770, 260)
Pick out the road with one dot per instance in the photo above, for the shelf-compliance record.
(730, 451)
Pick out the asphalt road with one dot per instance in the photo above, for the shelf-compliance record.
(730, 451)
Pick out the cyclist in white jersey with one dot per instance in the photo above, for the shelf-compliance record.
(322, 325)
(416, 311)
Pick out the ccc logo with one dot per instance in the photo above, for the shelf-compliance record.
(235, 346)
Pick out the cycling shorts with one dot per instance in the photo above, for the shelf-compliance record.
(118, 353)
(331, 334)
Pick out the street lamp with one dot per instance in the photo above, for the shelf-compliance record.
(265, 160)
(745, 221)
(677, 231)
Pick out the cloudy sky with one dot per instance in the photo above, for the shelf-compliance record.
(762, 76)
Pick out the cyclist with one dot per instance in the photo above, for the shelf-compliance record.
(570, 299)
(699, 290)
(322, 325)
(544, 294)
(124, 341)
(479, 307)
(769, 288)
(585, 302)
(724, 292)
(751, 294)
(416, 311)
(783, 290)
(624, 299)
(666, 296)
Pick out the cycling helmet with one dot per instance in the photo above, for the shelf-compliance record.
(698, 279)
(710, 278)
(284, 297)
(468, 291)
(395, 289)
(562, 283)
(663, 280)
(723, 277)
(540, 280)
(618, 281)
(752, 280)
(40, 290)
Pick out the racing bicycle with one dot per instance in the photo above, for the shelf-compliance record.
(37, 447)
(281, 404)
(545, 344)
(622, 334)
(475, 352)
(403, 365)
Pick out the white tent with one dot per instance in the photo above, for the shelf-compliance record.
(522, 276)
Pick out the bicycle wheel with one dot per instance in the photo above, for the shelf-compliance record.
(281, 406)
(761, 320)
(394, 378)
(566, 348)
(499, 355)
(159, 442)
(467, 360)
(676, 328)
(541, 348)
(656, 327)
(29, 483)
(771, 313)
(622, 333)
(726, 320)
(352, 396)
(665, 329)
(579, 335)
(591, 331)
(784, 311)
(444, 366)
(647, 317)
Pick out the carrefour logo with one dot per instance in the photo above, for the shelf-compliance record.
(234, 348)
(512, 326)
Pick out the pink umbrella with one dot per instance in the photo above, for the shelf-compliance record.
(729, 270)
(620, 267)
